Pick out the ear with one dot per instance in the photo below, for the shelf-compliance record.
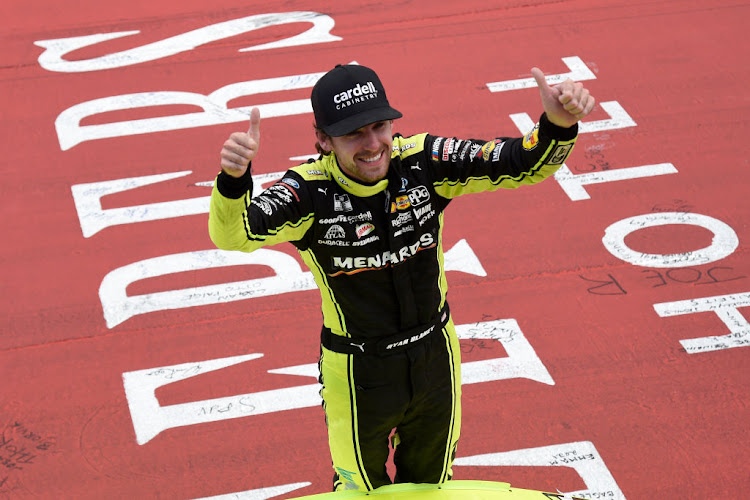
(324, 140)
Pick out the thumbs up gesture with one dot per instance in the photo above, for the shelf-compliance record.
(241, 147)
(565, 103)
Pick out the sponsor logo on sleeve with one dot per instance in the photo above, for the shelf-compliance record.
(488, 147)
(284, 189)
(263, 205)
(436, 148)
(475, 152)
(464, 150)
(448, 148)
(560, 154)
(279, 193)
(531, 139)
(496, 153)
(290, 182)
(455, 149)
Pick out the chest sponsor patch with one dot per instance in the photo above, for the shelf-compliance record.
(364, 229)
(352, 265)
(351, 219)
(418, 195)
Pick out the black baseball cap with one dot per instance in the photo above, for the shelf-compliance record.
(349, 97)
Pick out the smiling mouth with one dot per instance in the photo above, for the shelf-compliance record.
(372, 159)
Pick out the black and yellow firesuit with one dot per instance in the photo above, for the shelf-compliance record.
(390, 357)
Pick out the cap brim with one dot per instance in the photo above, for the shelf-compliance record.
(360, 120)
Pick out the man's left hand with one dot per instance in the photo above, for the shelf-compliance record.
(565, 103)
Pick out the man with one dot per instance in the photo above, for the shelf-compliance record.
(367, 218)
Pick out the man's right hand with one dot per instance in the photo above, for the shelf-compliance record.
(241, 147)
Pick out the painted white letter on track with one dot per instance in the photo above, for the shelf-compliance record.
(726, 307)
(723, 244)
(52, 58)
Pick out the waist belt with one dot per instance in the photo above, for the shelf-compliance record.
(385, 345)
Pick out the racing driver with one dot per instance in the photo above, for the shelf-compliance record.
(367, 219)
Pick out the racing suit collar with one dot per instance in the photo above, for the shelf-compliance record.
(353, 186)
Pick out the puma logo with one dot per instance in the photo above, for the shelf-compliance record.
(361, 346)
(323, 191)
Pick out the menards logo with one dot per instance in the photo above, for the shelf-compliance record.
(352, 265)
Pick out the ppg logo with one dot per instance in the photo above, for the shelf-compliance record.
(418, 195)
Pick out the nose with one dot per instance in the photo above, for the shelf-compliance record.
(370, 140)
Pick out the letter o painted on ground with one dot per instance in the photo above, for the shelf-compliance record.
(724, 242)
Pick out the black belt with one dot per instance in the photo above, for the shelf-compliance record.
(384, 345)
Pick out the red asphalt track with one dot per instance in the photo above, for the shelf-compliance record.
(592, 295)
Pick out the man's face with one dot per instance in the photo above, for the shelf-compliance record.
(365, 153)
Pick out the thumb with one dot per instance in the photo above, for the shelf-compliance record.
(541, 81)
(254, 130)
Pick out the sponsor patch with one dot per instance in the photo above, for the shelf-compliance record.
(402, 202)
(279, 192)
(364, 229)
(424, 214)
(448, 149)
(405, 229)
(262, 204)
(351, 219)
(436, 148)
(335, 232)
(487, 149)
(560, 154)
(464, 150)
(366, 241)
(334, 243)
(352, 265)
(355, 94)
(289, 188)
(418, 195)
(403, 218)
(476, 151)
(290, 182)
(342, 203)
(531, 139)
(496, 153)
(406, 147)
